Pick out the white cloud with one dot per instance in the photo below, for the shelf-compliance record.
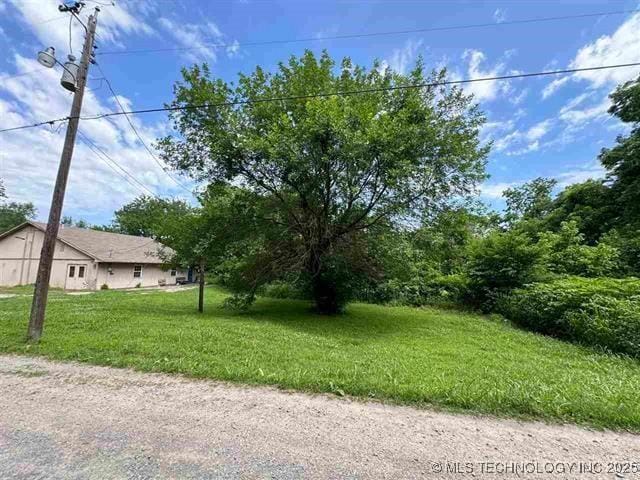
(577, 117)
(500, 15)
(575, 174)
(527, 148)
(402, 58)
(484, 91)
(539, 130)
(505, 141)
(520, 142)
(233, 49)
(493, 191)
(574, 102)
(551, 88)
(581, 174)
(496, 128)
(200, 41)
(623, 46)
(113, 23)
(94, 189)
(518, 99)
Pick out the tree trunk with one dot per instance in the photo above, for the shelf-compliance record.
(201, 289)
(325, 295)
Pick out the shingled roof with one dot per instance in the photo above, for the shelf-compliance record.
(107, 246)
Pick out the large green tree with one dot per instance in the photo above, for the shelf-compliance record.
(529, 201)
(623, 160)
(145, 215)
(329, 167)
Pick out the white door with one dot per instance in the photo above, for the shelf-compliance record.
(76, 276)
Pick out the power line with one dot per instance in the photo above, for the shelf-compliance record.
(110, 162)
(368, 35)
(357, 92)
(38, 124)
(30, 72)
(135, 130)
(332, 94)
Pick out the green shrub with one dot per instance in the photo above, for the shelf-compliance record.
(501, 262)
(104, 286)
(544, 307)
(608, 322)
(567, 253)
(432, 290)
(281, 289)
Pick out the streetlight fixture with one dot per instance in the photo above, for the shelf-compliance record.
(47, 58)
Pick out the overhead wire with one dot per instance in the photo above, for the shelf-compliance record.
(135, 131)
(124, 173)
(367, 35)
(330, 94)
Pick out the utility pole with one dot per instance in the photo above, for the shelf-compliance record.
(41, 292)
(201, 287)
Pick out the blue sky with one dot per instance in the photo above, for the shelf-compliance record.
(540, 127)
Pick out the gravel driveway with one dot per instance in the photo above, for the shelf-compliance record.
(70, 421)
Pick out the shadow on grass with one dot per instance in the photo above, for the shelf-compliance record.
(358, 322)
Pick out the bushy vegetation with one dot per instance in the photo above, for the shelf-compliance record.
(593, 311)
(608, 322)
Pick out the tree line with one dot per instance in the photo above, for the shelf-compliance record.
(373, 196)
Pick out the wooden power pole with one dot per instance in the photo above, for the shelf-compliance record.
(41, 292)
(201, 287)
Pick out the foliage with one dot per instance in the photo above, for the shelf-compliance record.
(501, 262)
(443, 290)
(104, 286)
(443, 240)
(626, 240)
(531, 200)
(146, 215)
(449, 359)
(542, 307)
(608, 322)
(281, 289)
(588, 204)
(13, 214)
(623, 161)
(568, 254)
(68, 221)
(330, 167)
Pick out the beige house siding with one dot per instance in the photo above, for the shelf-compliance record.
(20, 255)
(120, 275)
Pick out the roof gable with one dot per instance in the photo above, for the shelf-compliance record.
(106, 246)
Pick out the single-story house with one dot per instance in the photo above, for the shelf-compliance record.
(84, 259)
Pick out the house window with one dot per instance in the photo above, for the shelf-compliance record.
(72, 271)
(173, 272)
(137, 271)
(81, 271)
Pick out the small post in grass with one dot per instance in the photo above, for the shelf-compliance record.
(201, 293)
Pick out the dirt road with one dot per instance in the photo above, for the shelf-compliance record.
(69, 421)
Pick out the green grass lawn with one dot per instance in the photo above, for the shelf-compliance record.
(448, 359)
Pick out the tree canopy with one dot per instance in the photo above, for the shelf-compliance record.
(326, 168)
(13, 213)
